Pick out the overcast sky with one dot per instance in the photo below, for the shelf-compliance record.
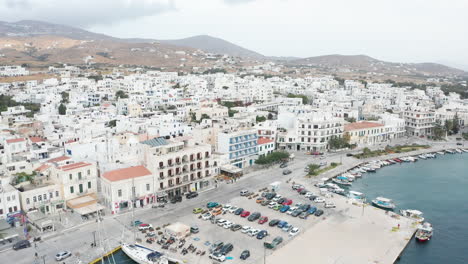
(394, 30)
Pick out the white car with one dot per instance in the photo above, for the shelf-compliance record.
(218, 257)
(277, 197)
(227, 207)
(330, 205)
(291, 210)
(206, 216)
(309, 194)
(245, 229)
(319, 200)
(253, 232)
(294, 231)
(62, 255)
(233, 209)
(221, 221)
(145, 227)
(227, 225)
(272, 204)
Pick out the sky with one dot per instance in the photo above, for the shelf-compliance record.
(392, 30)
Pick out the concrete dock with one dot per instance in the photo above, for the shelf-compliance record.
(353, 235)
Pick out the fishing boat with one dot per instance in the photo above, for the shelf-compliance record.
(431, 155)
(144, 255)
(341, 181)
(449, 151)
(383, 203)
(424, 232)
(412, 214)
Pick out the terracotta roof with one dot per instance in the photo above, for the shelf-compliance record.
(126, 173)
(74, 166)
(58, 159)
(42, 168)
(361, 125)
(261, 141)
(14, 140)
(36, 139)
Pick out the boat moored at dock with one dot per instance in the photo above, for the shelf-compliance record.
(144, 255)
(424, 232)
(412, 214)
(384, 203)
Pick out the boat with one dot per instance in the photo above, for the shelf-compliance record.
(449, 151)
(144, 255)
(383, 203)
(431, 155)
(341, 181)
(422, 156)
(424, 232)
(440, 152)
(465, 150)
(458, 150)
(358, 196)
(412, 214)
(398, 160)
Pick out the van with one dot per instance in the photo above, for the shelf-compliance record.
(194, 229)
(244, 193)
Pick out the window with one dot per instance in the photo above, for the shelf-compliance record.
(89, 185)
(70, 175)
(89, 172)
(45, 196)
(8, 198)
(15, 208)
(147, 187)
(34, 199)
(119, 193)
(71, 189)
(133, 191)
(13, 197)
(28, 201)
(39, 198)
(79, 175)
(1, 211)
(56, 193)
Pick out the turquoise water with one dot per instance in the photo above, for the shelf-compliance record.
(437, 187)
(118, 257)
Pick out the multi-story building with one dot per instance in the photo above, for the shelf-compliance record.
(265, 146)
(419, 121)
(241, 146)
(365, 133)
(46, 197)
(9, 200)
(179, 166)
(15, 70)
(128, 187)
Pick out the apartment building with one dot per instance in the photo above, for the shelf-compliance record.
(241, 146)
(9, 200)
(12, 71)
(419, 121)
(265, 146)
(179, 165)
(365, 133)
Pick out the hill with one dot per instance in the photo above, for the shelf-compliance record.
(214, 45)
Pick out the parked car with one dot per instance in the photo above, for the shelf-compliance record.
(62, 255)
(281, 224)
(329, 204)
(254, 216)
(260, 199)
(304, 215)
(312, 210)
(263, 220)
(212, 204)
(349, 154)
(253, 232)
(312, 197)
(246, 229)
(144, 227)
(273, 222)
(206, 216)
(226, 249)
(288, 202)
(227, 225)
(287, 228)
(319, 200)
(319, 212)
(272, 204)
(286, 172)
(194, 229)
(218, 256)
(277, 197)
(21, 244)
(265, 203)
(277, 207)
(294, 231)
(291, 210)
(262, 234)
(176, 199)
(245, 214)
(191, 195)
(221, 221)
(270, 196)
(296, 213)
(283, 165)
(285, 208)
(197, 210)
(244, 192)
(303, 191)
(216, 246)
(217, 211)
(232, 209)
(304, 207)
(239, 211)
(296, 186)
(236, 227)
(282, 200)
(308, 194)
(245, 255)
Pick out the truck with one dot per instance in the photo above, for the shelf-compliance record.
(273, 243)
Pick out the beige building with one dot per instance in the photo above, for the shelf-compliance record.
(365, 133)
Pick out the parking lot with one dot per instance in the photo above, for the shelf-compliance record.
(211, 231)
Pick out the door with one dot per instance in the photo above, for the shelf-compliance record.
(81, 188)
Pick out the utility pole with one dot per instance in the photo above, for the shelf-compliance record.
(94, 237)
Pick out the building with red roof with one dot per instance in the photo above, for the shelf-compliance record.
(366, 133)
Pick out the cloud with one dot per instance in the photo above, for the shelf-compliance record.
(82, 13)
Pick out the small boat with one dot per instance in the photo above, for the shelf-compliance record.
(440, 152)
(465, 150)
(458, 150)
(398, 160)
(383, 203)
(424, 232)
(449, 151)
(391, 161)
(358, 196)
(338, 191)
(341, 182)
(422, 156)
(412, 214)
(431, 155)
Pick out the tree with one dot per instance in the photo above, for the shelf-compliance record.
(338, 142)
(65, 97)
(455, 124)
(305, 99)
(270, 116)
(272, 158)
(438, 132)
(62, 109)
(204, 116)
(232, 112)
(259, 119)
(121, 94)
(448, 125)
(313, 168)
(350, 119)
(112, 123)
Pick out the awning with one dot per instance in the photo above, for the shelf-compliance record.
(89, 209)
(230, 169)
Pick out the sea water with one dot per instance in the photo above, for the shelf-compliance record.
(437, 187)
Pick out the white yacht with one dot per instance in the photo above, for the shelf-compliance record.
(440, 152)
(383, 203)
(412, 214)
(144, 255)
(358, 196)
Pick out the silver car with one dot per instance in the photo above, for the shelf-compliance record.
(62, 255)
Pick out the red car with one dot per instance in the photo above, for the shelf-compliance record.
(288, 202)
(300, 189)
(245, 214)
(263, 220)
